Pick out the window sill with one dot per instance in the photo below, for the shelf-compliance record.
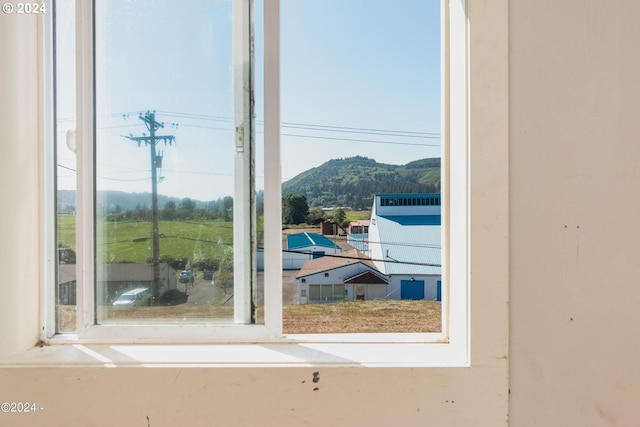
(240, 355)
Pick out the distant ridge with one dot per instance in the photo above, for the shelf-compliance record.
(353, 181)
(348, 182)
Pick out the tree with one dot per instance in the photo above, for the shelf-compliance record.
(227, 208)
(315, 217)
(141, 212)
(294, 209)
(341, 218)
(169, 210)
(186, 208)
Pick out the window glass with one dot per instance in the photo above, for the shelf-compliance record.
(66, 167)
(166, 167)
(361, 104)
(170, 164)
(314, 292)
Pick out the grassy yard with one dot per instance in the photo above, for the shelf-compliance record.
(198, 240)
(381, 316)
(131, 241)
(358, 215)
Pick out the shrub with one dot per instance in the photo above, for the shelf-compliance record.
(173, 297)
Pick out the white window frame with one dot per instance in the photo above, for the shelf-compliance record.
(451, 347)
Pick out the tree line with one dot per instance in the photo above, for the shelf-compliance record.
(295, 211)
(186, 208)
(221, 209)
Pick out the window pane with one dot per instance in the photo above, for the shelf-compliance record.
(326, 292)
(314, 292)
(361, 103)
(166, 162)
(66, 166)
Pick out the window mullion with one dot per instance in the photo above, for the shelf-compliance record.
(85, 137)
(243, 201)
(49, 294)
(457, 192)
(273, 175)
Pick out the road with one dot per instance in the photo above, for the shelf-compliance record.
(203, 292)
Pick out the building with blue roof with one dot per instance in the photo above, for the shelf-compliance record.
(302, 247)
(405, 244)
(311, 242)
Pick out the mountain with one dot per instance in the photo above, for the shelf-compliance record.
(353, 181)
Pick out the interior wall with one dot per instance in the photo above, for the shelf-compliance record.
(278, 396)
(19, 183)
(575, 212)
(573, 227)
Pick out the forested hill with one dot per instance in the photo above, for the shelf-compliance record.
(341, 182)
(353, 181)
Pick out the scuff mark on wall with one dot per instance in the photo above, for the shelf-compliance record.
(177, 376)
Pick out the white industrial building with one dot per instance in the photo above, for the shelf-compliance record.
(405, 244)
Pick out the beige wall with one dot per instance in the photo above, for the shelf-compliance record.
(19, 179)
(570, 227)
(575, 212)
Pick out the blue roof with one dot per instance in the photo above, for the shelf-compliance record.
(303, 240)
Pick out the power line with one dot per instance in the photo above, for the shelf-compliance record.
(360, 130)
(361, 140)
(308, 126)
(393, 261)
(424, 264)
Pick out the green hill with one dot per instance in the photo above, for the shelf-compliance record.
(354, 180)
(344, 182)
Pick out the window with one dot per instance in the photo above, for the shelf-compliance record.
(161, 198)
(97, 213)
(314, 292)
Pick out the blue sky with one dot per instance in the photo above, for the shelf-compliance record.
(358, 77)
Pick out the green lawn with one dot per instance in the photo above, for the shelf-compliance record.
(358, 215)
(131, 241)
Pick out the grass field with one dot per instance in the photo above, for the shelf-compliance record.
(198, 240)
(193, 240)
(131, 241)
(375, 316)
(381, 316)
(358, 215)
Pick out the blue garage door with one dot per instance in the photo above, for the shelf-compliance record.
(412, 289)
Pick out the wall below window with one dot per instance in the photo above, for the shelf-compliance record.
(241, 397)
(569, 281)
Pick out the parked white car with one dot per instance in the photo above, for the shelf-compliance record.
(135, 297)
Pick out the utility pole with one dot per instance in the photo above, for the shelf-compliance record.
(156, 162)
